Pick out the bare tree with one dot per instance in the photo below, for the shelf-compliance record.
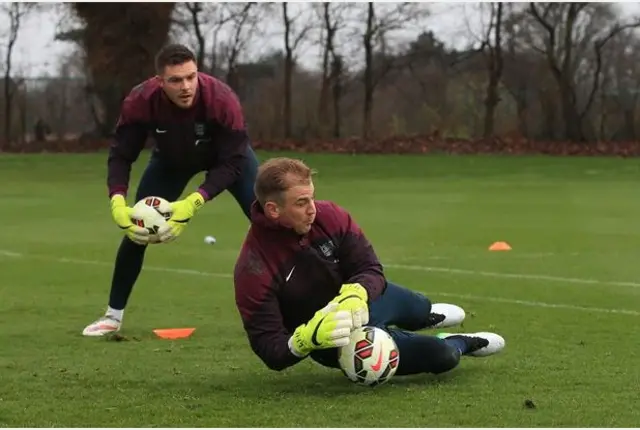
(368, 70)
(200, 19)
(115, 67)
(294, 35)
(519, 73)
(16, 13)
(194, 10)
(337, 78)
(378, 24)
(243, 20)
(568, 31)
(492, 46)
(332, 19)
(620, 89)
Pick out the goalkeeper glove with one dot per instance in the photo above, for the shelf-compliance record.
(353, 298)
(121, 214)
(182, 212)
(327, 329)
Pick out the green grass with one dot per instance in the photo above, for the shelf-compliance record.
(558, 298)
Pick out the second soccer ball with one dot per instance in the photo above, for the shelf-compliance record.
(151, 213)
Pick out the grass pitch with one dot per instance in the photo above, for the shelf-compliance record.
(566, 298)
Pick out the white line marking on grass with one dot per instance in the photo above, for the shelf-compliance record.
(151, 268)
(512, 275)
(540, 304)
(422, 268)
(105, 264)
(532, 255)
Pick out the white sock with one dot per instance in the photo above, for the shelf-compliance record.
(115, 313)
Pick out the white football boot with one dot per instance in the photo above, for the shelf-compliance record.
(481, 344)
(105, 325)
(446, 315)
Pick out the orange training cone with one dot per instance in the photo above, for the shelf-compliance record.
(500, 246)
(173, 333)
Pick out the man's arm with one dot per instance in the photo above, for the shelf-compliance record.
(232, 139)
(130, 136)
(357, 256)
(260, 313)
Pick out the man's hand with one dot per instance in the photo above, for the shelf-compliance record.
(353, 298)
(182, 212)
(328, 328)
(121, 214)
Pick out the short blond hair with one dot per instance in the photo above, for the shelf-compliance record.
(277, 175)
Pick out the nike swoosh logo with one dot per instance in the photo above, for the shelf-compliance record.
(314, 336)
(378, 365)
(160, 131)
(290, 273)
(352, 296)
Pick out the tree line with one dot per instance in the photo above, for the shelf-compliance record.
(542, 71)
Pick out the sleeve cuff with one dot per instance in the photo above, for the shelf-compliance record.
(121, 191)
(204, 194)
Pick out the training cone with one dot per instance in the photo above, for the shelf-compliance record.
(500, 246)
(173, 333)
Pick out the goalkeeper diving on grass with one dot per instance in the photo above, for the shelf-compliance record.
(307, 275)
(197, 124)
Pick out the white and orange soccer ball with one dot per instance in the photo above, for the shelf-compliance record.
(151, 213)
(371, 357)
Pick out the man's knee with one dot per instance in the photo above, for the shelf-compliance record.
(129, 246)
(447, 359)
(416, 312)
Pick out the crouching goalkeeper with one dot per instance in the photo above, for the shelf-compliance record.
(307, 275)
(197, 124)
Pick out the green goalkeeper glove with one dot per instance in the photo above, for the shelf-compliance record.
(182, 212)
(327, 329)
(121, 214)
(353, 298)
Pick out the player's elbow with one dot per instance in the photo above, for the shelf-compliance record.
(276, 365)
(275, 360)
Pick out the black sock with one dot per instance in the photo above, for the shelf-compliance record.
(125, 273)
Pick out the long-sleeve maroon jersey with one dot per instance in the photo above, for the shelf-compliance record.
(282, 278)
(210, 136)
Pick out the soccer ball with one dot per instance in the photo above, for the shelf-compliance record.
(371, 358)
(151, 213)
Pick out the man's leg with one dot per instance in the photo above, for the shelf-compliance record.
(409, 310)
(159, 181)
(242, 189)
(427, 354)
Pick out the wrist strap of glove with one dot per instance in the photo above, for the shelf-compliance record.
(292, 348)
(117, 201)
(196, 199)
(297, 344)
(353, 290)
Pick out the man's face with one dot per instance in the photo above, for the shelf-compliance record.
(297, 210)
(180, 83)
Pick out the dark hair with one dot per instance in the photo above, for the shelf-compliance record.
(172, 55)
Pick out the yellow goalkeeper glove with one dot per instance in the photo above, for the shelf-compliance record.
(182, 212)
(121, 214)
(327, 329)
(353, 298)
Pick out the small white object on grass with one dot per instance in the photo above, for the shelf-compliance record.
(209, 240)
